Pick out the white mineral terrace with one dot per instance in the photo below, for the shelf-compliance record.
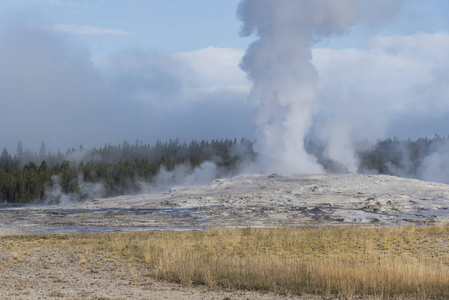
(257, 201)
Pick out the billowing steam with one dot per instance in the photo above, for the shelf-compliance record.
(285, 81)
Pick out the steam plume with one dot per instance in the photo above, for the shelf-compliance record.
(285, 81)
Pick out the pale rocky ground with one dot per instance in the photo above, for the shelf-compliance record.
(245, 201)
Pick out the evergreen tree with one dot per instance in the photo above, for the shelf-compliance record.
(19, 149)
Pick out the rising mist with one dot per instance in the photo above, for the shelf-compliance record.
(285, 82)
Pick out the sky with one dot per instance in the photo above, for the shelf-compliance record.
(92, 72)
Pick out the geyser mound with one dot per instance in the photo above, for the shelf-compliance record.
(258, 201)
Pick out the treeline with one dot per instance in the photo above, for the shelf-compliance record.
(111, 170)
(400, 157)
(406, 158)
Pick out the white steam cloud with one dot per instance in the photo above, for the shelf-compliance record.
(285, 80)
(54, 194)
(435, 166)
(182, 175)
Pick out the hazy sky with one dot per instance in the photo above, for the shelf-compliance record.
(101, 71)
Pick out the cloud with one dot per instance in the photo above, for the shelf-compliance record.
(86, 30)
(46, 88)
(52, 92)
(216, 69)
(399, 75)
(166, 95)
(178, 78)
(398, 87)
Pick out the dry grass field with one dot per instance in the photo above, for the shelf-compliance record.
(351, 262)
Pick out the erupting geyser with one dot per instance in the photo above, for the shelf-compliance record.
(285, 81)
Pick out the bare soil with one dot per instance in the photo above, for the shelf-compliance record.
(46, 274)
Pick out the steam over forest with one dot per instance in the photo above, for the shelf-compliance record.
(81, 174)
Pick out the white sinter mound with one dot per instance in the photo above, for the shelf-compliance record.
(248, 200)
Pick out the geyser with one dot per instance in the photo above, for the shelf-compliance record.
(285, 82)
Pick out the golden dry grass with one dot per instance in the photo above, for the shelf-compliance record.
(352, 261)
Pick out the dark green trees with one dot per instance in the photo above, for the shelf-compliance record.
(118, 169)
